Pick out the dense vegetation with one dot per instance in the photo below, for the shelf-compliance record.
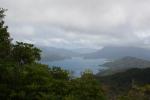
(23, 78)
(132, 82)
(126, 79)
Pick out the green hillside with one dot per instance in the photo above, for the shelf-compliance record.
(123, 64)
(121, 82)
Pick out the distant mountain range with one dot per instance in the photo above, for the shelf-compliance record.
(119, 52)
(54, 54)
(123, 64)
(84, 50)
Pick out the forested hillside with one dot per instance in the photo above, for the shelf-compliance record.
(122, 83)
(123, 64)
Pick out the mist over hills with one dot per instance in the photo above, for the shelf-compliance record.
(85, 51)
(54, 54)
(119, 52)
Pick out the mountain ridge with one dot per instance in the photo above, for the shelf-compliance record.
(123, 64)
(119, 52)
(55, 54)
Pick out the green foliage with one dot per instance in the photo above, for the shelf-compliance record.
(37, 82)
(86, 88)
(58, 73)
(5, 41)
(120, 83)
(24, 53)
(25, 83)
(138, 93)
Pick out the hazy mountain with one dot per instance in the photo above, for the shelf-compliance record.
(119, 52)
(53, 54)
(124, 64)
(84, 50)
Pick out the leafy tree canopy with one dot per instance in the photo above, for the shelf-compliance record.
(5, 40)
(24, 53)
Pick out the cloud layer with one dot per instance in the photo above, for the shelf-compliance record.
(79, 23)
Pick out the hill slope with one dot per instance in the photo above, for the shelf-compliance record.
(124, 64)
(120, 83)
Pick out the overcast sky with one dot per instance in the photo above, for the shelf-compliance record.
(79, 23)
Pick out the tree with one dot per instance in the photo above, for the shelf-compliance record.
(59, 73)
(24, 53)
(2, 13)
(85, 88)
(137, 93)
(5, 40)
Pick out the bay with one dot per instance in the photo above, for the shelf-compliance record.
(77, 65)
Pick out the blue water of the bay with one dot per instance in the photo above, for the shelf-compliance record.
(77, 65)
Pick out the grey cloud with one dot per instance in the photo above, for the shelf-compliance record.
(78, 23)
